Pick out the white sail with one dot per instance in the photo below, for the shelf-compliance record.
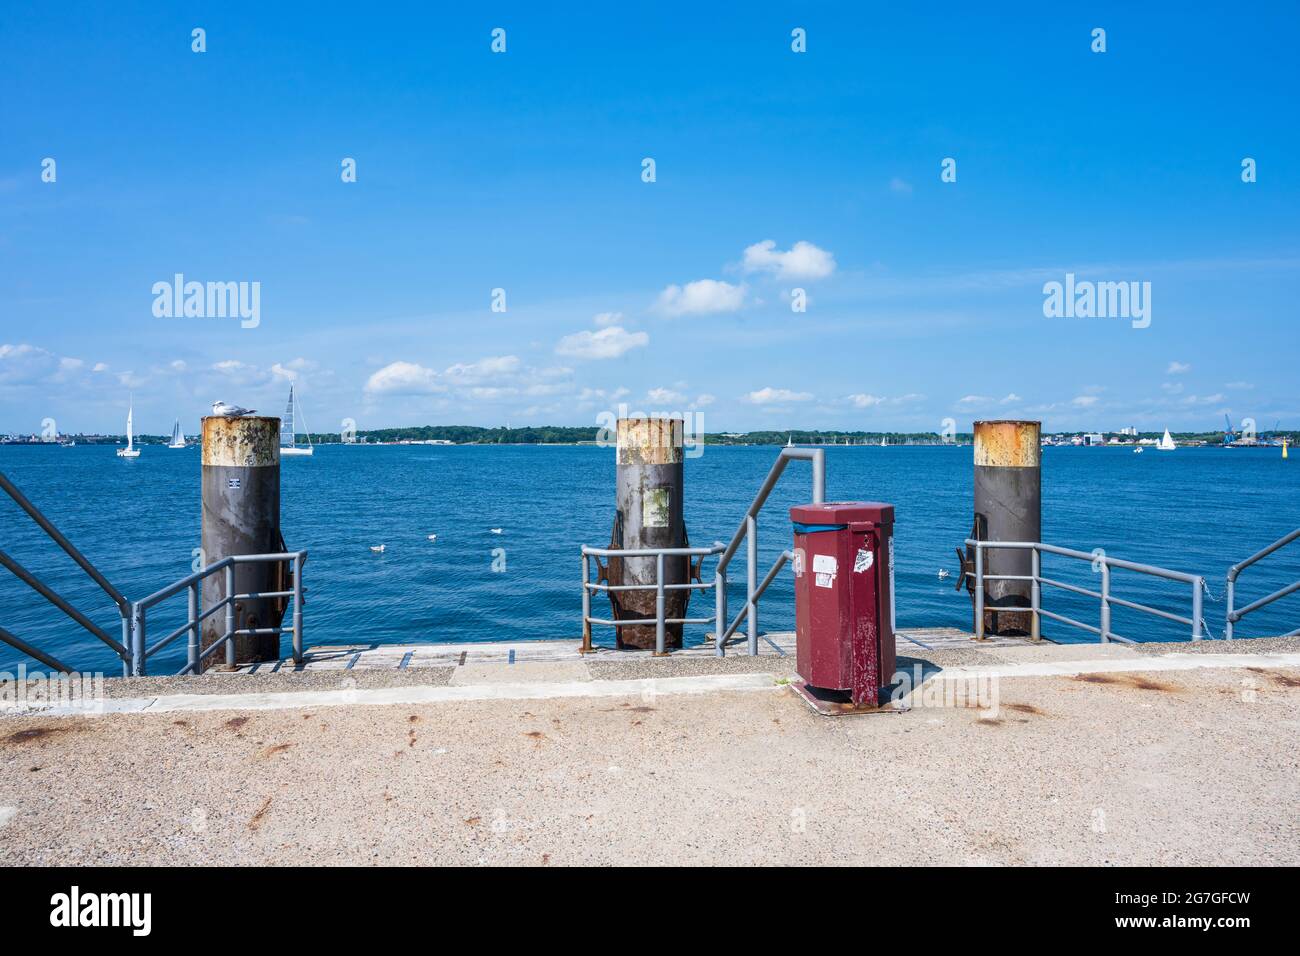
(288, 435)
(130, 451)
(1166, 442)
(178, 440)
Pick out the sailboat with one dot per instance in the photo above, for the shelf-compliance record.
(178, 440)
(130, 451)
(288, 443)
(1166, 442)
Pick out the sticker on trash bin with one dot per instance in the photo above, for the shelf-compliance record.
(863, 560)
(232, 483)
(824, 568)
(798, 562)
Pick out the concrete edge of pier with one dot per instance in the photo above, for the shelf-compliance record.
(548, 680)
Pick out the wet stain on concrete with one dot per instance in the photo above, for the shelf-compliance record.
(275, 749)
(260, 815)
(1024, 709)
(234, 723)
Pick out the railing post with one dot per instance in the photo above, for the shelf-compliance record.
(137, 641)
(1198, 591)
(719, 611)
(659, 606)
(819, 476)
(192, 649)
(1105, 602)
(586, 606)
(128, 624)
(297, 608)
(230, 614)
(1231, 595)
(751, 581)
(979, 590)
(1036, 593)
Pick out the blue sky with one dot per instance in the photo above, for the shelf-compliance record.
(522, 171)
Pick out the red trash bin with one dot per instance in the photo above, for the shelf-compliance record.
(843, 593)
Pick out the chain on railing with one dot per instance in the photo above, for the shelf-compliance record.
(1103, 563)
(1235, 614)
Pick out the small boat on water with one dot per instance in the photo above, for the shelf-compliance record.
(288, 437)
(1138, 450)
(1166, 442)
(178, 440)
(130, 451)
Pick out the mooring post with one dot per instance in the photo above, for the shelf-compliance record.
(241, 515)
(649, 486)
(1008, 507)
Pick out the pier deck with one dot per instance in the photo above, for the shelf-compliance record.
(374, 656)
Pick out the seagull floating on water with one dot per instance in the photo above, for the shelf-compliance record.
(943, 573)
(433, 537)
(378, 548)
(495, 530)
(223, 410)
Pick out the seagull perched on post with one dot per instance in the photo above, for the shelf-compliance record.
(222, 410)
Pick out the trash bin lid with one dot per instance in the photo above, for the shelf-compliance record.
(843, 512)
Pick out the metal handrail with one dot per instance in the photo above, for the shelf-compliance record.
(1099, 559)
(132, 648)
(719, 584)
(748, 532)
(1235, 614)
(197, 614)
(121, 648)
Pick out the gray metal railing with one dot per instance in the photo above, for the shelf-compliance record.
(1235, 614)
(1103, 563)
(197, 614)
(132, 648)
(121, 648)
(719, 585)
(748, 532)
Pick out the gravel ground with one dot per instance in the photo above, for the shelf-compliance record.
(219, 683)
(1188, 767)
(1250, 645)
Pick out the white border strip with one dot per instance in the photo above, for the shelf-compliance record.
(422, 694)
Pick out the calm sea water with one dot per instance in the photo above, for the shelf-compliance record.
(1196, 510)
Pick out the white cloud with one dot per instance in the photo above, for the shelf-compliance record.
(665, 395)
(1177, 368)
(1173, 388)
(802, 261)
(1084, 401)
(603, 319)
(494, 366)
(701, 297)
(1240, 385)
(705, 400)
(770, 396)
(972, 401)
(607, 343)
(403, 378)
(25, 364)
(866, 401)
